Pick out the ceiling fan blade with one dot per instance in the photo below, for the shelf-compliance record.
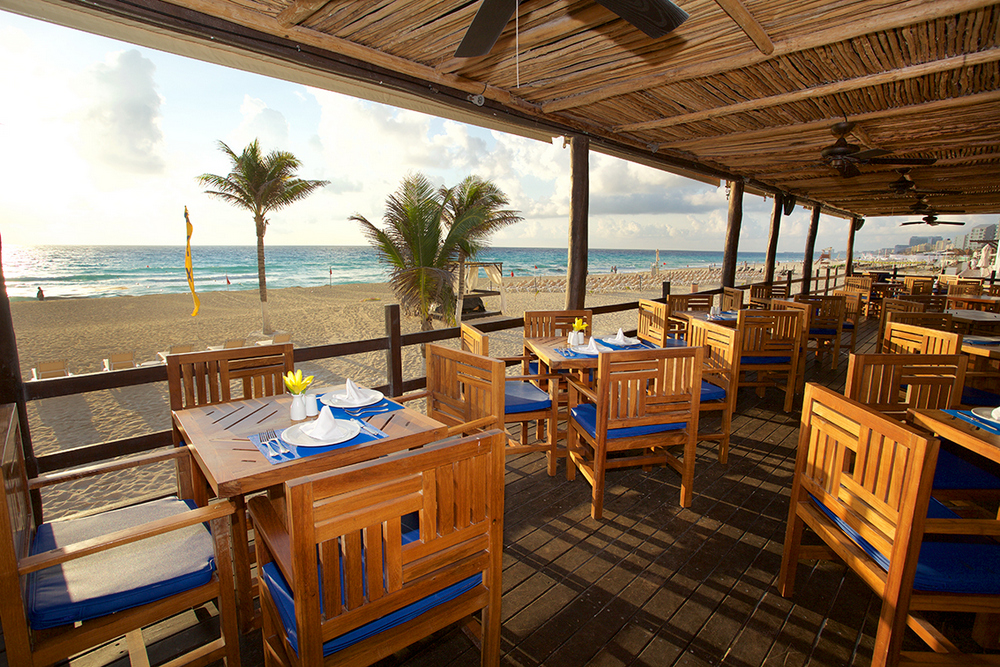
(490, 20)
(656, 18)
(949, 222)
(915, 222)
(916, 161)
(849, 170)
(870, 153)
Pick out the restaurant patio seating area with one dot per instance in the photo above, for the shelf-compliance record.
(654, 583)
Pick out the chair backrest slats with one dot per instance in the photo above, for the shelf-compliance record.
(204, 378)
(909, 338)
(892, 383)
(732, 298)
(653, 326)
(770, 333)
(649, 387)
(721, 362)
(473, 340)
(548, 323)
(464, 387)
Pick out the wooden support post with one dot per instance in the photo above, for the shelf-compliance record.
(665, 289)
(579, 201)
(732, 233)
(394, 354)
(807, 259)
(772, 239)
(855, 225)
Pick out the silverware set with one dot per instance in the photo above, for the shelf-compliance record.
(366, 411)
(274, 445)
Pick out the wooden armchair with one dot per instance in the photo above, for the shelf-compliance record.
(918, 285)
(360, 562)
(655, 325)
(523, 403)
(965, 288)
(720, 375)
(77, 583)
(732, 298)
(677, 303)
(933, 303)
(892, 383)
(896, 306)
(760, 297)
(852, 314)
(910, 338)
(770, 342)
(826, 325)
(464, 390)
(548, 323)
(863, 484)
(644, 402)
(862, 285)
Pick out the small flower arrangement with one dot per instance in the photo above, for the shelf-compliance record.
(579, 324)
(295, 383)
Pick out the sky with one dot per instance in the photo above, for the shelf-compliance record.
(105, 140)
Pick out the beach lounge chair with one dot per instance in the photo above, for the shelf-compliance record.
(120, 361)
(278, 339)
(50, 369)
(175, 349)
(230, 344)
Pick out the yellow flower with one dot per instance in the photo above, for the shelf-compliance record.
(295, 383)
(579, 324)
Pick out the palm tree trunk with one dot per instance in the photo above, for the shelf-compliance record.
(265, 325)
(461, 291)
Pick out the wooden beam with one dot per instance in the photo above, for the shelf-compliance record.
(772, 238)
(745, 20)
(853, 229)
(299, 11)
(807, 259)
(890, 19)
(912, 72)
(732, 233)
(579, 203)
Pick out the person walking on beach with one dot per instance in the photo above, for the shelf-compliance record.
(40, 295)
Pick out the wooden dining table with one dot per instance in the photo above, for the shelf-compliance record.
(549, 352)
(727, 318)
(974, 302)
(230, 466)
(976, 321)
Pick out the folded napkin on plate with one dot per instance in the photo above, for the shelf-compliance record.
(355, 394)
(591, 347)
(996, 414)
(324, 427)
(622, 339)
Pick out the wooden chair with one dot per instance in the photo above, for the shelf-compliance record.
(862, 285)
(523, 403)
(770, 341)
(862, 484)
(938, 321)
(760, 297)
(547, 323)
(720, 374)
(464, 390)
(644, 402)
(918, 285)
(807, 310)
(961, 288)
(360, 562)
(991, 290)
(826, 325)
(50, 369)
(677, 303)
(933, 303)
(79, 582)
(732, 298)
(119, 361)
(896, 306)
(908, 338)
(852, 315)
(892, 383)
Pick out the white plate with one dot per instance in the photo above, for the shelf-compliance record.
(340, 400)
(627, 342)
(346, 429)
(582, 349)
(985, 413)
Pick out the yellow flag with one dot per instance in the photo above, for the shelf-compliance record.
(187, 262)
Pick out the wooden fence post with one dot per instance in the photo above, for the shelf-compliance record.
(394, 353)
(666, 289)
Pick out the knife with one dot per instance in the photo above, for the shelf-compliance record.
(371, 430)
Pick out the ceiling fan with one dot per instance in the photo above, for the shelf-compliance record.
(904, 185)
(656, 18)
(845, 157)
(931, 219)
(922, 207)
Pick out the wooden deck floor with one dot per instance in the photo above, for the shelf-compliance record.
(659, 585)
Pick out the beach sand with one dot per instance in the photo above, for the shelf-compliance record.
(85, 331)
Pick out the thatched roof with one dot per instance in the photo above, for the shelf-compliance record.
(744, 89)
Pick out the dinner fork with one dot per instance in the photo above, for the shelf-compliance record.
(369, 410)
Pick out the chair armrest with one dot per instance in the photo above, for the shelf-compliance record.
(580, 387)
(475, 425)
(537, 376)
(523, 357)
(411, 397)
(125, 536)
(82, 472)
(270, 528)
(962, 527)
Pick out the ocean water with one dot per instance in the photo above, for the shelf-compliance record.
(102, 271)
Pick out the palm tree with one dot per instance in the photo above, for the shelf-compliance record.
(260, 184)
(426, 231)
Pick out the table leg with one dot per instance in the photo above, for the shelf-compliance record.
(241, 565)
(986, 630)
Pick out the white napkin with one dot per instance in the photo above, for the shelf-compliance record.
(996, 414)
(622, 339)
(355, 394)
(324, 427)
(591, 347)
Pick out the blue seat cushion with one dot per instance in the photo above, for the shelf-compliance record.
(710, 392)
(947, 567)
(760, 361)
(285, 603)
(521, 396)
(979, 397)
(821, 331)
(847, 324)
(120, 578)
(533, 369)
(586, 416)
(954, 472)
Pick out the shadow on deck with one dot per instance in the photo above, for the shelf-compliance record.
(656, 584)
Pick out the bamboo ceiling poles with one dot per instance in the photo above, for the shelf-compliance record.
(807, 260)
(579, 202)
(732, 233)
